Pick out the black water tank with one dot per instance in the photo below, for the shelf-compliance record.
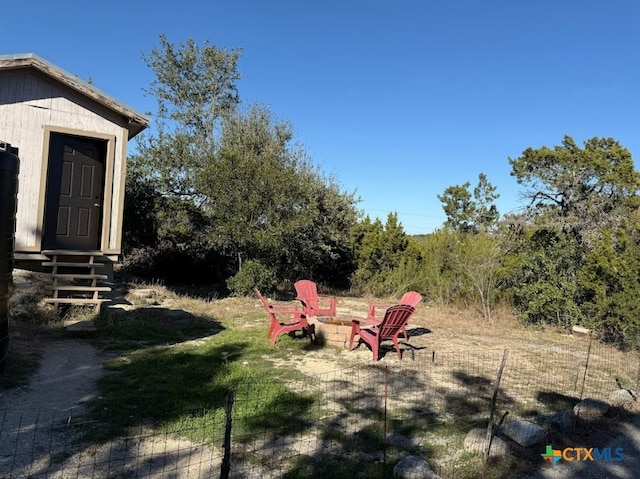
(9, 166)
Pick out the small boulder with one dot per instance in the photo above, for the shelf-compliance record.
(581, 331)
(524, 433)
(413, 467)
(591, 409)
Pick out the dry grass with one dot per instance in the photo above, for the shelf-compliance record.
(453, 357)
(540, 358)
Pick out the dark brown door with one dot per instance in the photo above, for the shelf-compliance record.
(75, 182)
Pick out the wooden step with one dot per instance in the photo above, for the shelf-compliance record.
(73, 265)
(70, 267)
(76, 300)
(63, 287)
(79, 276)
(64, 252)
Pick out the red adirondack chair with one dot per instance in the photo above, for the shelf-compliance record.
(298, 321)
(395, 318)
(312, 304)
(412, 298)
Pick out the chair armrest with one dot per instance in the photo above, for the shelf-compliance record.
(284, 308)
(372, 309)
(331, 299)
(366, 321)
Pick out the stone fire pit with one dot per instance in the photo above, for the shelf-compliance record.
(333, 331)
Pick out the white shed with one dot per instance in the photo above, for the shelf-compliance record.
(72, 144)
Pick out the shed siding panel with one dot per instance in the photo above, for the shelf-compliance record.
(29, 102)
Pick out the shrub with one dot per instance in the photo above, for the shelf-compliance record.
(253, 274)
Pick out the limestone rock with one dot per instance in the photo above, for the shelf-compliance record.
(413, 467)
(581, 331)
(524, 433)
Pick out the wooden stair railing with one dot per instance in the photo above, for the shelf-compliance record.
(75, 278)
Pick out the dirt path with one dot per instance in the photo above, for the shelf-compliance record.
(65, 380)
(59, 391)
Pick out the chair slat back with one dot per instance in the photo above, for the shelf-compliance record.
(306, 288)
(394, 319)
(412, 298)
(307, 292)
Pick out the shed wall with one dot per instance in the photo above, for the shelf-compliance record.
(31, 106)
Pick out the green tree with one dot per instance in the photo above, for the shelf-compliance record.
(487, 215)
(194, 87)
(469, 212)
(479, 258)
(609, 282)
(230, 185)
(542, 279)
(378, 250)
(567, 267)
(580, 190)
(444, 283)
(410, 274)
(458, 267)
(266, 200)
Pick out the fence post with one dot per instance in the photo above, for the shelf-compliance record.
(584, 377)
(225, 469)
(384, 438)
(586, 368)
(489, 436)
(637, 391)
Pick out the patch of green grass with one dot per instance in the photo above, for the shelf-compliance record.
(176, 372)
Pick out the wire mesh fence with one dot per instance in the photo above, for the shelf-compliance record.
(353, 422)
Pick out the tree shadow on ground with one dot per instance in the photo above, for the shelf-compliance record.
(469, 403)
(356, 431)
(554, 401)
(386, 348)
(150, 326)
(206, 292)
(419, 331)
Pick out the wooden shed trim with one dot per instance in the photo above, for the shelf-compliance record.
(107, 187)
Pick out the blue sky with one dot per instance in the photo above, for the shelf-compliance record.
(398, 99)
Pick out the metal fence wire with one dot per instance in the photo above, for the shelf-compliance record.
(353, 422)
